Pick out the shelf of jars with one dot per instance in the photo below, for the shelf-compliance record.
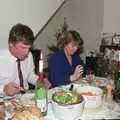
(114, 47)
(110, 41)
(110, 49)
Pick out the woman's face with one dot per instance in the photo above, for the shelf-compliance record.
(71, 47)
(19, 50)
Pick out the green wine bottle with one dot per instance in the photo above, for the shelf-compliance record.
(41, 97)
(117, 80)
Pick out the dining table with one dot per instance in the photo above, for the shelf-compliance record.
(101, 113)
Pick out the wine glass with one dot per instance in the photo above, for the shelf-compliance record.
(110, 107)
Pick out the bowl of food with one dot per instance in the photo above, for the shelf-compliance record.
(67, 105)
(93, 96)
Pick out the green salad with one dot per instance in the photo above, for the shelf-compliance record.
(66, 98)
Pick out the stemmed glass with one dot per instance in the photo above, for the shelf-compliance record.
(110, 107)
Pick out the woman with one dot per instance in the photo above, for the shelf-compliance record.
(66, 66)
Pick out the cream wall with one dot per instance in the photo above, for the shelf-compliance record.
(89, 17)
(85, 16)
(34, 13)
(111, 16)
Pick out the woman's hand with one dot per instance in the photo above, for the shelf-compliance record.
(77, 73)
(12, 89)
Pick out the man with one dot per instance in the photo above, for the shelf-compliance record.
(17, 62)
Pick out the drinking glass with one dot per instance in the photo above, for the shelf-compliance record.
(90, 76)
(118, 109)
(8, 109)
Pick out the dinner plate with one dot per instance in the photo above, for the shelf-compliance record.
(102, 80)
(28, 99)
(6, 98)
(9, 97)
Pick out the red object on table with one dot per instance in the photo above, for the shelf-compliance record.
(44, 78)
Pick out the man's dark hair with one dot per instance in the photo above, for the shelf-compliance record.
(21, 33)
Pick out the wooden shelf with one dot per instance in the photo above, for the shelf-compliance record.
(102, 47)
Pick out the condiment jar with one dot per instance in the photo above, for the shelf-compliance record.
(109, 95)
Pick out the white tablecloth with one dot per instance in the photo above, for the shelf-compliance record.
(88, 114)
(100, 113)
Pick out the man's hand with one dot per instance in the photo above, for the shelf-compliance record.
(44, 78)
(12, 89)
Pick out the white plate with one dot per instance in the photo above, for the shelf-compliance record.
(102, 80)
(28, 99)
(9, 97)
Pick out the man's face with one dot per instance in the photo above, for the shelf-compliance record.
(19, 50)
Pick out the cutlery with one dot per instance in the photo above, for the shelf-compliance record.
(71, 87)
(22, 90)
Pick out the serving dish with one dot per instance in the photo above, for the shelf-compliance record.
(23, 108)
(69, 110)
(93, 96)
(102, 81)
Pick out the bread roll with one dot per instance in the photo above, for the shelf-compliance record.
(28, 113)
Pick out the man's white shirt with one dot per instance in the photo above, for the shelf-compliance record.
(9, 71)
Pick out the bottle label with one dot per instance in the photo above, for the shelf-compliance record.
(42, 104)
